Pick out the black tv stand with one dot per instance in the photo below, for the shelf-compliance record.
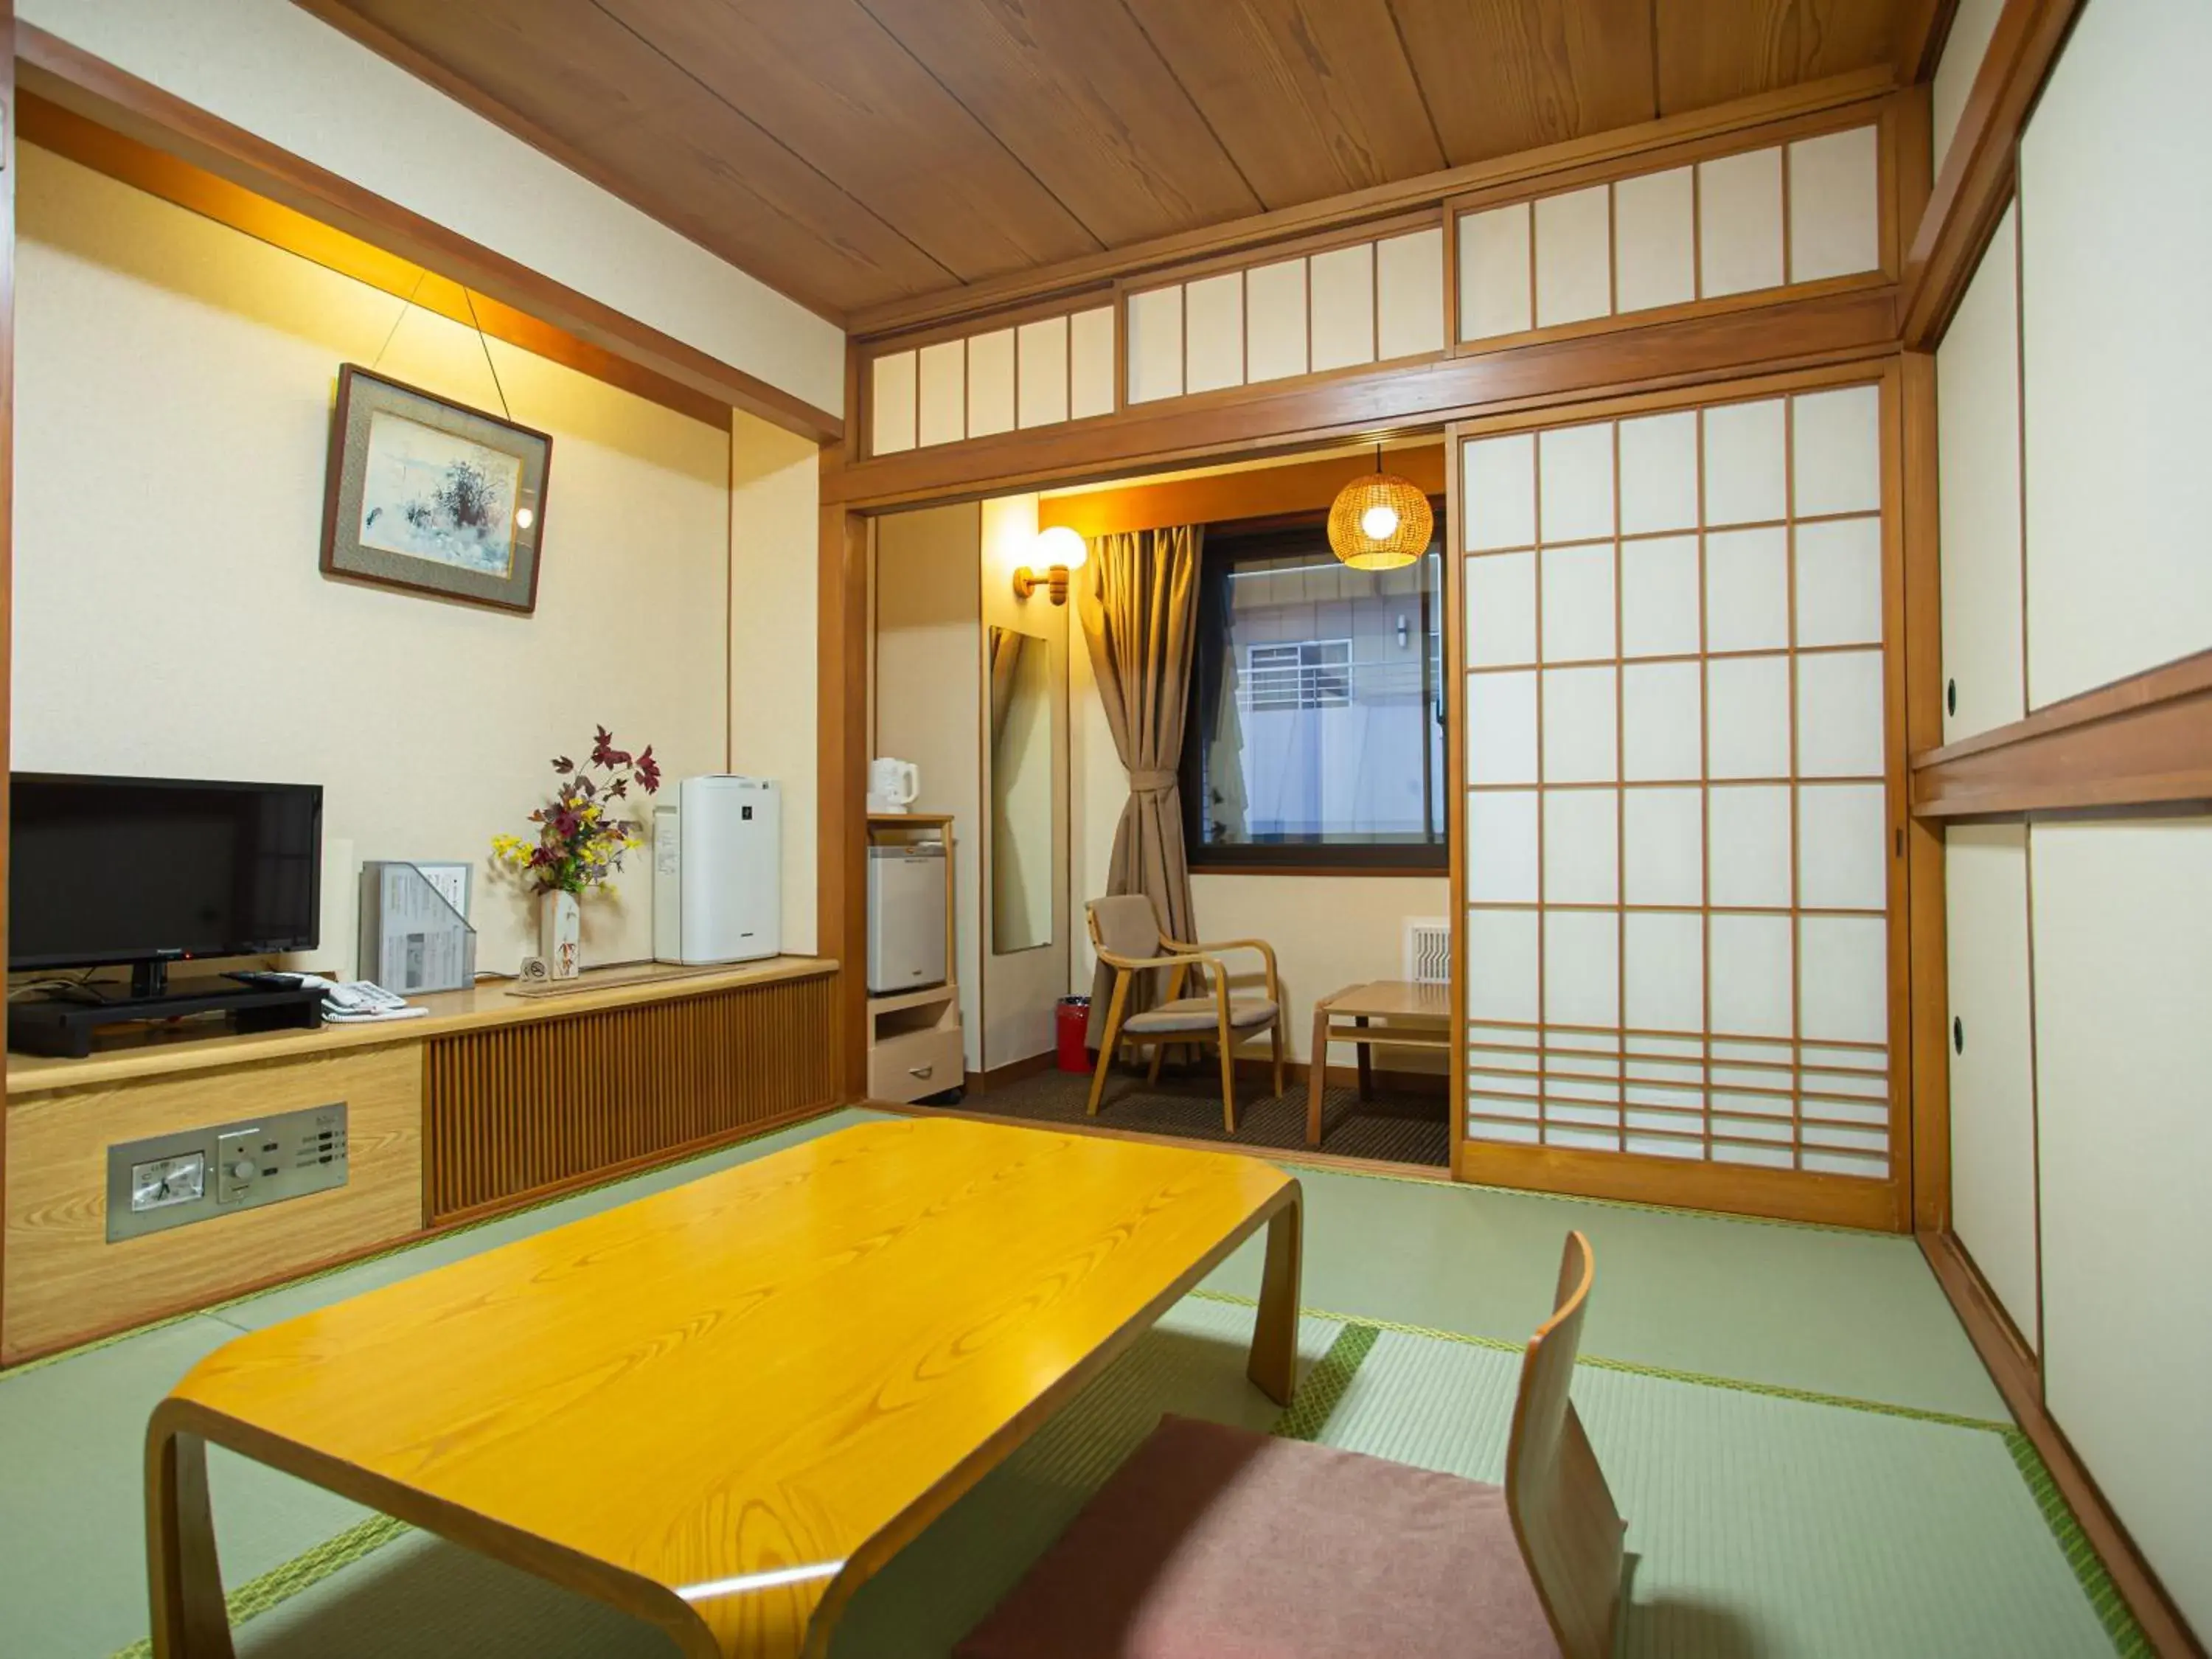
(62, 1025)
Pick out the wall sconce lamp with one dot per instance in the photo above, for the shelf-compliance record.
(1059, 550)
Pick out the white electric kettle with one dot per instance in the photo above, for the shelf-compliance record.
(892, 784)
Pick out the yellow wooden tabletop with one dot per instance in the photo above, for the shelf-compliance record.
(722, 1404)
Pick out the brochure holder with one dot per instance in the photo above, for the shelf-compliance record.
(412, 936)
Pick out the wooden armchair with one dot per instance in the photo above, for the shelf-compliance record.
(1126, 932)
(1204, 1542)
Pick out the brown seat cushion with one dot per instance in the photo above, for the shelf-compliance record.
(1200, 1014)
(1217, 1543)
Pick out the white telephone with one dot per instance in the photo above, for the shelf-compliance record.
(343, 1000)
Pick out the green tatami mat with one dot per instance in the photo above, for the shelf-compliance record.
(1814, 1308)
(1761, 1526)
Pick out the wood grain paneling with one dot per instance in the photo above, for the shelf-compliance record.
(67, 1282)
(1077, 92)
(1711, 51)
(857, 151)
(834, 85)
(569, 78)
(1500, 75)
(1311, 98)
(526, 1108)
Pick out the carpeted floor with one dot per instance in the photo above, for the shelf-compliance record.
(1399, 1128)
(1812, 1462)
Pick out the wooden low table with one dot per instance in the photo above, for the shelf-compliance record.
(723, 1408)
(1420, 1016)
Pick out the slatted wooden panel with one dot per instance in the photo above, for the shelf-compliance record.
(526, 1108)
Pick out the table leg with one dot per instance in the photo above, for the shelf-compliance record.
(1316, 1072)
(184, 1579)
(1274, 1366)
(1366, 1051)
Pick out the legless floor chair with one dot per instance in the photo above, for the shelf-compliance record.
(1214, 1540)
(1126, 932)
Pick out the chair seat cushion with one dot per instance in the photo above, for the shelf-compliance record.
(1200, 1014)
(1216, 1543)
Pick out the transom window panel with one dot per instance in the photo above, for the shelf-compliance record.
(1801, 212)
(1367, 302)
(1677, 838)
(1036, 373)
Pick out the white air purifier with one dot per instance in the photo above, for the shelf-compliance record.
(718, 871)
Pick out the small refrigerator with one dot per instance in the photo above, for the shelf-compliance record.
(906, 917)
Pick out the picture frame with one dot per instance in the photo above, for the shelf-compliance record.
(432, 496)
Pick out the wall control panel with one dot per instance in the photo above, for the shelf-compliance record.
(167, 1181)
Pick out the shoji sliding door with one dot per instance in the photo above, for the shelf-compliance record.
(1678, 808)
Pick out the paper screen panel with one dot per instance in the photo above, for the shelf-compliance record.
(1214, 332)
(1678, 822)
(1040, 352)
(1409, 293)
(1275, 321)
(1155, 344)
(1655, 241)
(1495, 292)
(1091, 363)
(1340, 301)
(1574, 257)
(891, 398)
(943, 392)
(991, 383)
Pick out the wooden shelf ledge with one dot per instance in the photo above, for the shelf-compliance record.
(2144, 743)
(160, 1053)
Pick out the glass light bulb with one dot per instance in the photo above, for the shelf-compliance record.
(1060, 546)
(1379, 523)
(525, 517)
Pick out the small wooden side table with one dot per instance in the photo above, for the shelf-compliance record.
(1420, 1016)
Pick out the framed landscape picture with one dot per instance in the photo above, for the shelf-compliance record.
(433, 495)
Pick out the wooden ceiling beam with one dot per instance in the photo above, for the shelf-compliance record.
(86, 143)
(91, 87)
(1356, 207)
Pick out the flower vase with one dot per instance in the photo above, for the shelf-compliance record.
(560, 933)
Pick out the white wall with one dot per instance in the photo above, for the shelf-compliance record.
(2080, 953)
(271, 68)
(776, 494)
(929, 706)
(173, 387)
(1993, 1184)
(2116, 239)
(2123, 1078)
(1978, 422)
(1020, 988)
(1328, 932)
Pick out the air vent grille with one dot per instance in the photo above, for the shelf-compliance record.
(1428, 950)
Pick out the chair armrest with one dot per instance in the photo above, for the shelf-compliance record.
(1140, 964)
(1266, 954)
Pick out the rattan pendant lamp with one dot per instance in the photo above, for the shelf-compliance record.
(1380, 522)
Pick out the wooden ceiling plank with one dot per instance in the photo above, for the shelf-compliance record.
(827, 81)
(564, 69)
(1711, 51)
(1531, 168)
(1502, 75)
(1311, 98)
(1075, 89)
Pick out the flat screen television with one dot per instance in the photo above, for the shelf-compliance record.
(150, 871)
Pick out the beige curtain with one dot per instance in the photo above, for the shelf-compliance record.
(1139, 608)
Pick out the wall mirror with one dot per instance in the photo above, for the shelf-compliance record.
(1022, 801)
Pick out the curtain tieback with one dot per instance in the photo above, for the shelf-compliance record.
(1151, 781)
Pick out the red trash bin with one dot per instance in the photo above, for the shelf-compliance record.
(1071, 1021)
